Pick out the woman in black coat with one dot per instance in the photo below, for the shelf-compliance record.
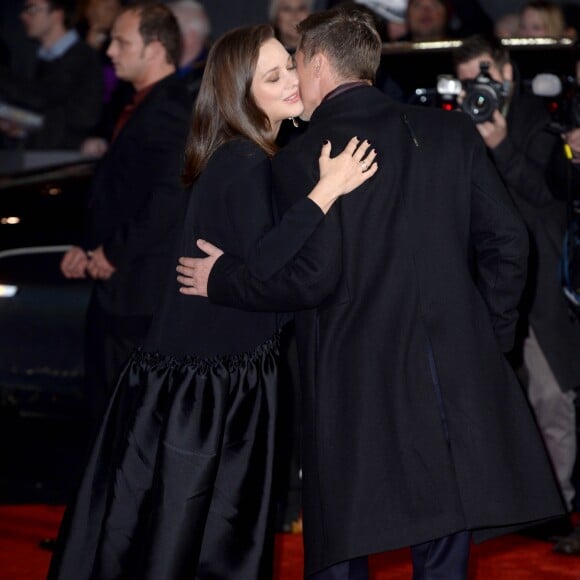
(178, 484)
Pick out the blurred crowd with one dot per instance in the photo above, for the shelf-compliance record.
(54, 57)
(71, 64)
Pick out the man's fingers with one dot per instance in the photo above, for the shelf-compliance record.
(99, 272)
(209, 249)
(190, 291)
(73, 264)
(70, 273)
(187, 270)
(186, 281)
(187, 262)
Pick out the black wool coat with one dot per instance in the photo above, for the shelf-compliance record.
(414, 426)
(136, 200)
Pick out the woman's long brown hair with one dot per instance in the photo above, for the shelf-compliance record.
(225, 108)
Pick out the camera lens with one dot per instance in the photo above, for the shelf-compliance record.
(479, 103)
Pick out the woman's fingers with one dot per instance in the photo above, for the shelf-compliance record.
(368, 160)
(361, 150)
(352, 145)
(370, 171)
(357, 152)
(325, 151)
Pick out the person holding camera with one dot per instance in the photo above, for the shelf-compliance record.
(568, 161)
(516, 132)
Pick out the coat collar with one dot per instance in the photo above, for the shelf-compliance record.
(338, 100)
(344, 88)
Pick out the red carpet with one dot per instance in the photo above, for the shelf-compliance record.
(510, 558)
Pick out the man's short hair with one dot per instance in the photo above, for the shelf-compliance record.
(68, 8)
(157, 22)
(478, 44)
(347, 37)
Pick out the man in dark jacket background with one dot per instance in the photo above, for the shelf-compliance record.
(135, 199)
(415, 429)
(521, 145)
(67, 86)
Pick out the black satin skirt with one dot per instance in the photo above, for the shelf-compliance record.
(178, 485)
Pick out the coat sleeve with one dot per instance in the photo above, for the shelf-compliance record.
(265, 245)
(282, 242)
(303, 282)
(306, 279)
(500, 244)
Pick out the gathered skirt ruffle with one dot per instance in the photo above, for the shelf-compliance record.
(178, 484)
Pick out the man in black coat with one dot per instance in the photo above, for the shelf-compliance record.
(415, 430)
(136, 197)
(522, 145)
(67, 88)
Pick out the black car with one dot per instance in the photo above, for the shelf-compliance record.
(42, 403)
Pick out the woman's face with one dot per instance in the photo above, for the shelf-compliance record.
(289, 14)
(275, 84)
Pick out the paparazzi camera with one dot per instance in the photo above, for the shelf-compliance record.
(562, 100)
(480, 96)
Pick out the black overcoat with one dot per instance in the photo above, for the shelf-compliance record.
(136, 200)
(414, 424)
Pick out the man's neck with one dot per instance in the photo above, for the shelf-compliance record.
(333, 84)
(153, 76)
(334, 87)
(52, 36)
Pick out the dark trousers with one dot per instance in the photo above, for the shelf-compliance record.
(441, 559)
(287, 483)
(109, 342)
(356, 569)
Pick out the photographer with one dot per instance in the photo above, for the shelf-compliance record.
(569, 183)
(522, 146)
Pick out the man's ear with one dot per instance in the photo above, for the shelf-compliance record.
(317, 64)
(155, 50)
